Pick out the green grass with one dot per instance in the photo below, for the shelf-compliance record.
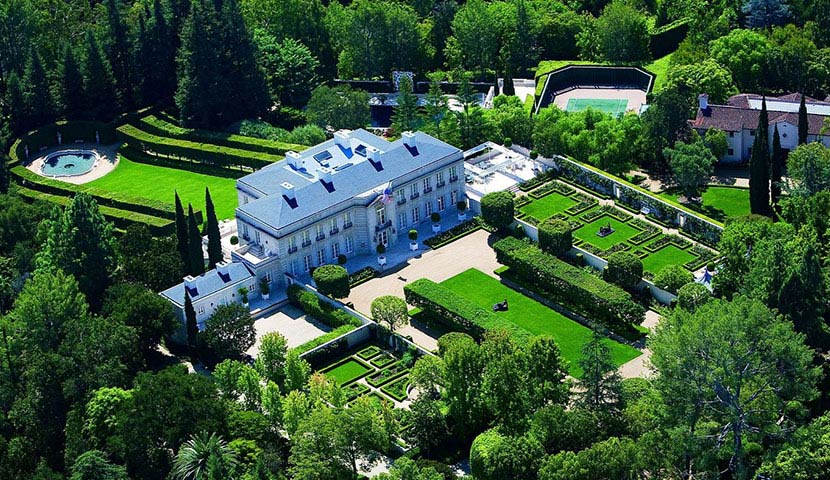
(347, 371)
(718, 202)
(159, 183)
(534, 317)
(611, 106)
(660, 69)
(547, 206)
(668, 255)
(588, 232)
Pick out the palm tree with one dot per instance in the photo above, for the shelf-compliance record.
(202, 453)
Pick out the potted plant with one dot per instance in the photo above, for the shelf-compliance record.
(436, 222)
(264, 288)
(243, 292)
(462, 209)
(413, 239)
(342, 259)
(381, 249)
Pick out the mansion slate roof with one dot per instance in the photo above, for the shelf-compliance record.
(741, 112)
(334, 172)
(208, 283)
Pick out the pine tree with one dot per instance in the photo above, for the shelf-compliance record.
(118, 53)
(803, 122)
(758, 166)
(181, 236)
(776, 167)
(4, 174)
(196, 258)
(39, 105)
(601, 383)
(803, 293)
(191, 326)
(99, 84)
(16, 103)
(405, 117)
(214, 236)
(71, 88)
(436, 107)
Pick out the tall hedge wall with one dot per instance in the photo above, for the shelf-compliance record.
(458, 313)
(47, 136)
(565, 284)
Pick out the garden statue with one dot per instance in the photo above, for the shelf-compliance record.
(26, 151)
(97, 137)
(500, 306)
(60, 138)
(605, 230)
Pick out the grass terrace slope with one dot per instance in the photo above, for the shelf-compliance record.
(159, 183)
(718, 202)
(536, 318)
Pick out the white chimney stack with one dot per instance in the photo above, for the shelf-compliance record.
(294, 159)
(373, 154)
(222, 267)
(409, 139)
(287, 190)
(188, 282)
(324, 174)
(341, 137)
(703, 101)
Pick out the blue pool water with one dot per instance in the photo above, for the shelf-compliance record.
(64, 164)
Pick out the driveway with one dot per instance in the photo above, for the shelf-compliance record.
(292, 323)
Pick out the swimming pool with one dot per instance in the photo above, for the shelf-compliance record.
(69, 163)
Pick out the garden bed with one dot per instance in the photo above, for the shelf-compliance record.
(347, 370)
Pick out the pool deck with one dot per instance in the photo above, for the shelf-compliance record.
(107, 161)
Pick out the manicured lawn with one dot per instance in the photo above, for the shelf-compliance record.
(668, 255)
(534, 317)
(346, 372)
(159, 183)
(588, 232)
(718, 202)
(547, 206)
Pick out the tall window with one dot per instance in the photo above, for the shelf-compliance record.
(452, 172)
(321, 256)
(441, 205)
(307, 263)
(335, 249)
(400, 195)
(292, 268)
(453, 197)
(333, 225)
(439, 178)
(292, 243)
(428, 208)
(381, 214)
(347, 218)
(349, 245)
(258, 239)
(320, 233)
(413, 190)
(402, 220)
(306, 237)
(416, 215)
(427, 184)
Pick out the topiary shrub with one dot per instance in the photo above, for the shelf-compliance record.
(342, 259)
(332, 280)
(435, 217)
(508, 142)
(497, 209)
(534, 154)
(461, 205)
(692, 295)
(671, 277)
(555, 236)
(413, 234)
(625, 269)
(381, 249)
(234, 240)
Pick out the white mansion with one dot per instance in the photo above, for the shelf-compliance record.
(341, 197)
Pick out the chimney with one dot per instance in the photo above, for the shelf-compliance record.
(222, 267)
(294, 159)
(341, 138)
(324, 174)
(703, 101)
(188, 282)
(409, 139)
(373, 154)
(287, 190)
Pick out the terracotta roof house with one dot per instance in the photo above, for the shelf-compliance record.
(739, 119)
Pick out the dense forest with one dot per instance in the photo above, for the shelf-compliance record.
(740, 387)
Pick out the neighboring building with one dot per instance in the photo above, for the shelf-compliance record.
(343, 196)
(219, 286)
(739, 119)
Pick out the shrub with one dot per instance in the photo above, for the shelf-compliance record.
(332, 280)
(461, 205)
(568, 285)
(534, 154)
(362, 276)
(508, 142)
(555, 236)
(624, 269)
(458, 313)
(229, 332)
(435, 217)
(264, 286)
(381, 249)
(413, 234)
(342, 259)
(322, 311)
(692, 295)
(243, 294)
(454, 233)
(497, 209)
(672, 277)
(234, 240)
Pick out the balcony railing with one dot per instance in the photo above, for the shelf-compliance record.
(347, 225)
(440, 184)
(321, 236)
(427, 190)
(414, 196)
(292, 249)
(454, 179)
(383, 225)
(334, 231)
(306, 243)
(401, 201)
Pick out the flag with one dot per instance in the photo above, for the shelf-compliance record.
(387, 194)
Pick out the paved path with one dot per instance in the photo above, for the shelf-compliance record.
(641, 366)
(471, 251)
(292, 323)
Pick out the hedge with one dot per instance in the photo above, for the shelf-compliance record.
(450, 235)
(160, 127)
(568, 285)
(136, 155)
(47, 136)
(120, 218)
(457, 312)
(326, 337)
(555, 236)
(203, 152)
(323, 311)
(332, 280)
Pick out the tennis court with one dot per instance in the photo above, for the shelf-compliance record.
(612, 106)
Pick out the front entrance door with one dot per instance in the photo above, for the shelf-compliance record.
(383, 238)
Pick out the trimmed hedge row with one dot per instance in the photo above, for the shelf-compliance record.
(138, 156)
(448, 236)
(47, 136)
(120, 218)
(158, 126)
(322, 311)
(569, 285)
(104, 197)
(203, 152)
(458, 313)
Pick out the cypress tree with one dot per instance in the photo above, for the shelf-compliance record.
(39, 105)
(196, 258)
(99, 84)
(214, 236)
(118, 53)
(4, 174)
(16, 103)
(405, 116)
(803, 122)
(776, 167)
(71, 87)
(758, 166)
(181, 236)
(191, 326)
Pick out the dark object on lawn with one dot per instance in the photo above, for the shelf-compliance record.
(500, 307)
(401, 278)
(605, 230)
